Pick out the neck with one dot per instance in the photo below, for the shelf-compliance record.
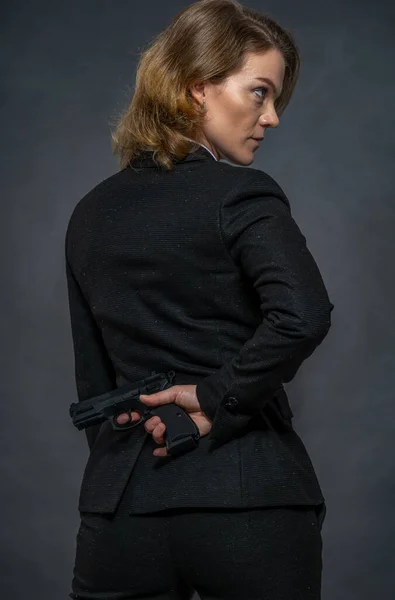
(204, 142)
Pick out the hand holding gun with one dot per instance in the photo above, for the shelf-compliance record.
(183, 396)
(181, 435)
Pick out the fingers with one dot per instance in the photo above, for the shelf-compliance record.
(157, 428)
(153, 425)
(161, 452)
(124, 417)
(163, 397)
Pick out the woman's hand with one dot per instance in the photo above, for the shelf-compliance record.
(182, 395)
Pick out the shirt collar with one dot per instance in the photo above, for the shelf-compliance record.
(145, 157)
(203, 146)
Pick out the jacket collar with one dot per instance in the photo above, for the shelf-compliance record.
(145, 158)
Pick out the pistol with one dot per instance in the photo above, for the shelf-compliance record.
(181, 434)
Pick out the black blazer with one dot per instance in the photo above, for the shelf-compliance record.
(203, 271)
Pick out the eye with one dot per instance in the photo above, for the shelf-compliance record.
(260, 89)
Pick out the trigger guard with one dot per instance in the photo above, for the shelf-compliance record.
(129, 424)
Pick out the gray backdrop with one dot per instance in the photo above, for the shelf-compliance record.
(66, 69)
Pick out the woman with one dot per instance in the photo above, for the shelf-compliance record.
(183, 262)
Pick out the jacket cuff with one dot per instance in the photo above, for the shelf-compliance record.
(226, 421)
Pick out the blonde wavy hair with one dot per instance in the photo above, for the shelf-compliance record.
(207, 41)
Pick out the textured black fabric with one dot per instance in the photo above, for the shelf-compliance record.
(272, 553)
(203, 271)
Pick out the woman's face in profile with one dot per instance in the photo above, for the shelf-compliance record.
(242, 108)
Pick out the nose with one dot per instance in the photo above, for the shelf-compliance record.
(270, 118)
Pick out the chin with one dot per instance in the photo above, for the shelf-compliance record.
(243, 159)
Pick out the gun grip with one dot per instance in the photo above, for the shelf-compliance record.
(182, 433)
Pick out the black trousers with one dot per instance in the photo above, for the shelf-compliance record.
(258, 554)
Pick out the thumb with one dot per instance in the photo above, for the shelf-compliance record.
(163, 397)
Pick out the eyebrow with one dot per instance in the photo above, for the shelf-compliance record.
(270, 82)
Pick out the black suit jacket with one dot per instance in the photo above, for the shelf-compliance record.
(203, 271)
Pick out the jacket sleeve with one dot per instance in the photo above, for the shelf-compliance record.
(267, 245)
(94, 372)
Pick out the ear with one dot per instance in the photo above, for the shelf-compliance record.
(196, 91)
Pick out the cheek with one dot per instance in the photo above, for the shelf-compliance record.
(235, 112)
